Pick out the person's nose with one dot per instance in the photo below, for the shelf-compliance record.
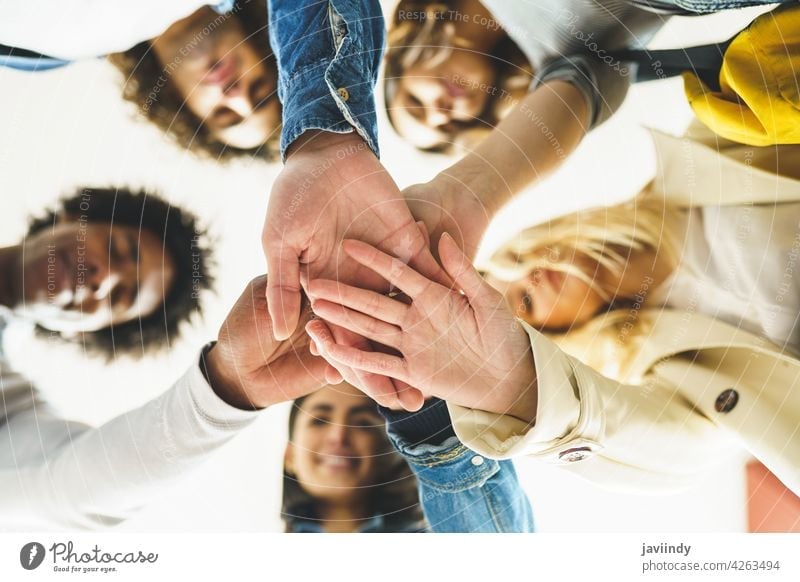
(237, 98)
(99, 279)
(103, 279)
(337, 435)
(437, 115)
(439, 108)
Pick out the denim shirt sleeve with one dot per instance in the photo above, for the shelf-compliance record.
(328, 54)
(462, 491)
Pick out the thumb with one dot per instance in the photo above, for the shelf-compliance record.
(283, 290)
(460, 269)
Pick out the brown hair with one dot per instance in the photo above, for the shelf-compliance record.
(142, 71)
(430, 37)
(394, 498)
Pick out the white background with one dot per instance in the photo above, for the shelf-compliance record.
(69, 127)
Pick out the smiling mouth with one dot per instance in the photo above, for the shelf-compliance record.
(454, 89)
(339, 462)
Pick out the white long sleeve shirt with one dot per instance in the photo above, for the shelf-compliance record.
(76, 29)
(59, 474)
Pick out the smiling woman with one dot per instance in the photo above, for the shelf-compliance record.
(210, 82)
(114, 270)
(340, 472)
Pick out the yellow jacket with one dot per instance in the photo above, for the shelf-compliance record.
(695, 384)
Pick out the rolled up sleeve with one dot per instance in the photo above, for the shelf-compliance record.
(328, 56)
(638, 438)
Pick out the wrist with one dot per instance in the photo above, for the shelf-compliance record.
(224, 381)
(518, 394)
(473, 178)
(524, 390)
(316, 142)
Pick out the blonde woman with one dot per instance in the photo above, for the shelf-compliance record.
(640, 398)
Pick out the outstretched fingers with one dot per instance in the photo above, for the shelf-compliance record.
(377, 386)
(357, 322)
(460, 268)
(349, 356)
(390, 268)
(368, 302)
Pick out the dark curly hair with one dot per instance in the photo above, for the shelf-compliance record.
(182, 238)
(142, 70)
(396, 498)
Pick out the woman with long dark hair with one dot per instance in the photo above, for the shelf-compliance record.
(342, 473)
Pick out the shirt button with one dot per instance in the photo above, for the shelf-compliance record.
(726, 401)
(576, 454)
(477, 460)
(343, 93)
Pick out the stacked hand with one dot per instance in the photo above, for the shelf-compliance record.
(456, 343)
(333, 187)
(249, 368)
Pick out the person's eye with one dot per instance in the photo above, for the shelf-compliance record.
(364, 422)
(527, 302)
(318, 421)
(261, 95)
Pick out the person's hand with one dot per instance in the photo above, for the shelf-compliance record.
(332, 187)
(461, 345)
(249, 369)
(387, 392)
(446, 204)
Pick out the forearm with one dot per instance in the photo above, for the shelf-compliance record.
(531, 142)
(79, 477)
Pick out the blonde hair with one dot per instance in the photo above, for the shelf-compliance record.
(608, 236)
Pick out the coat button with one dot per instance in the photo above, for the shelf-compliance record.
(576, 454)
(477, 460)
(727, 400)
(343, 93)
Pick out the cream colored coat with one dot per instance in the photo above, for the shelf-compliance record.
(660, 430)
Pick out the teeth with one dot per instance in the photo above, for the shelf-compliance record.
(337, 461)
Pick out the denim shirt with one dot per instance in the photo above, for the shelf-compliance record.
(461, 491)
(328, 54)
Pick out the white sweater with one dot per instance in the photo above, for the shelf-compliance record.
(59, 474)
(76, 29)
